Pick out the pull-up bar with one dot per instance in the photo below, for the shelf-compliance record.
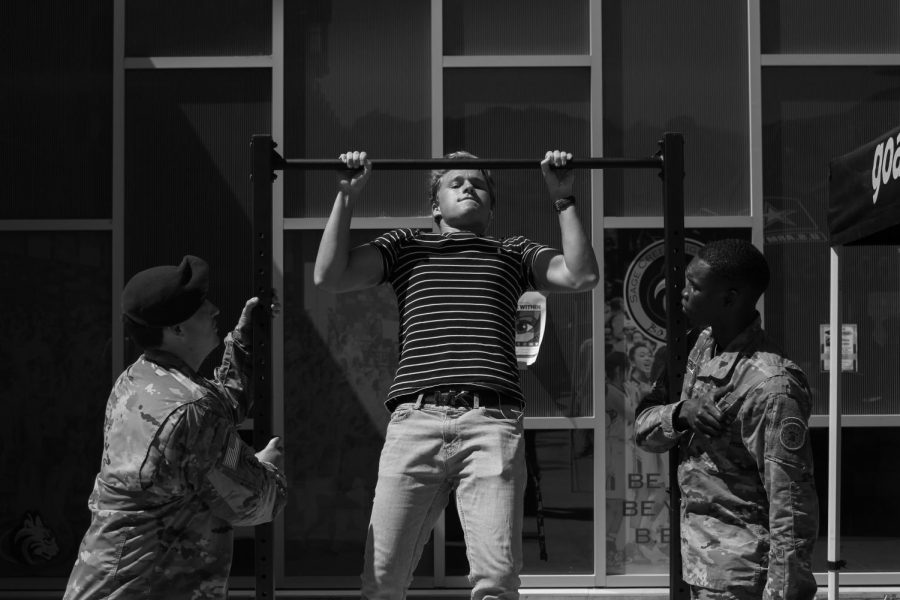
(265, 161)
(406, 164)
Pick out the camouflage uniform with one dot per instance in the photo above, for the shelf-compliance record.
(174, 480)
(749, 510)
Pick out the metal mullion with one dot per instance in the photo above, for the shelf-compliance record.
(886, 578)
(197, 62)
(833, 493)
(821, 421)
(755, 138)
(377, 223)
(277, 104)
(57, 225)
(540, 582)
(118, 188)
(437, 78)
(556, 423)
(517, 61)
(439, 535)
(828, 60)
(654, 580)
(598, 349)
(695, 222)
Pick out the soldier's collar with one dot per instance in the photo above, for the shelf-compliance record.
(167, 360)
(721, 366)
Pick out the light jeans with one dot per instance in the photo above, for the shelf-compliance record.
(429, 451)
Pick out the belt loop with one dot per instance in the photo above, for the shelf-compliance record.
(419, 401)
(477, 400)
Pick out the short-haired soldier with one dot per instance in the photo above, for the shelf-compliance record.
(749, 509)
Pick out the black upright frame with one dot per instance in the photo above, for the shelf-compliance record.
(266, 161)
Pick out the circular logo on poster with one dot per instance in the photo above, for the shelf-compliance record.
(645, 287)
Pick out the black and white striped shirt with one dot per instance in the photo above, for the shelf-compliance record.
(457, 294)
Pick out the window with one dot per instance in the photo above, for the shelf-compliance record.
(56, 358)
(677, 67)
(515, 27)
(829, 26)
(811, 115)
(349, 95)
(198, 28)
(637, 481)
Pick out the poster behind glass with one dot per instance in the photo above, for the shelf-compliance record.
(637, 497)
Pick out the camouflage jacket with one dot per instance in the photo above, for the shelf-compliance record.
(174, 480)
(749, 510)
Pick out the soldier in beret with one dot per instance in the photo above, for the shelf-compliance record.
(175, 478)
(749, 509)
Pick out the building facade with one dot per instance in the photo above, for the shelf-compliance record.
(128, 129)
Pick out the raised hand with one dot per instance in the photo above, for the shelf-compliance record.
(352, 180)
(245, 321)
(560, 181)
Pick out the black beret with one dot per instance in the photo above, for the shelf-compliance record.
(166, 295)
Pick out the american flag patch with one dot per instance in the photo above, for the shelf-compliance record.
(233, 451)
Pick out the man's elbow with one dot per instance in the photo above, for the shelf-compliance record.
(586, 282)
(322, 281)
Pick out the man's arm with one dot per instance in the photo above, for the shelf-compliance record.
(654, 427)
(659, 424)
(780, 443)
(575, 268)
(232, 375)
(204, 452)
(338, 267)
(242, 489)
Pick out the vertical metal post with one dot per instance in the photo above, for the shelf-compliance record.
(262, 150)
(676, 330)
(835, 347)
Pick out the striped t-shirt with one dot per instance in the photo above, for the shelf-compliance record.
(457, 294)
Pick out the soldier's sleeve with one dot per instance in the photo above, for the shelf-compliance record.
(654, 430)
(779, 439)
(654, 427)
(224, 471)
(232, 376)
(242, 489)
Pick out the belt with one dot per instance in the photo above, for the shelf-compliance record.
(483, 398)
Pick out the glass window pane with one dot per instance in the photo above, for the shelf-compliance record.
(870, 485)
(56, 362)
(522, 113)
(57, 105)
(187, 165)
(558, 383)
(517, 112)
(682, 67)
(870, 296)
(811, 115)
(635, 353)
(829, 26)
(503, 27)
(344, 91)
(559, 513)
(198, 28)
(340, 355)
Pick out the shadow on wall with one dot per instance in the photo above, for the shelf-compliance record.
(55, 364)
(340, 355)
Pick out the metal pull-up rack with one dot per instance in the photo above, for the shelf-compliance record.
(265, 161)
(408, 164)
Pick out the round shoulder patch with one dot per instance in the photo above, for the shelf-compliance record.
(793, 433)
